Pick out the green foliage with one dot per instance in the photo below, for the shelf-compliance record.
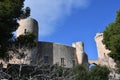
(111, 38)
(96, 73)
(99, 73)
(115, 47)
(2, 50)
(27, 40)
(22, 44)
(26, 13)
(10, 12)
(112, 30)
(118, 17)
(118, 66)
(80, 72)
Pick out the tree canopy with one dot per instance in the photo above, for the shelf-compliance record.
(99, 73)
(80, 72)
(10, 12)
(27, 40)
(96, 73)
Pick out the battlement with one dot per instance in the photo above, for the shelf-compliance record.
(98, 35)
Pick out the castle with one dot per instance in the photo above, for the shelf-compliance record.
(62, 55)
(52, 53)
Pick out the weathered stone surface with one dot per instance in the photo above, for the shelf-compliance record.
(51, 53)
(93, 62)
(67, 53)
(45, 49)
(62, 55)
(56, 52)
(103, 58)
(80, 53)
(28, 25)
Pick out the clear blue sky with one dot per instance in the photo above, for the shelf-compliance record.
(68, 21)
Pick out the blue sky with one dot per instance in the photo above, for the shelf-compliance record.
(69, 21)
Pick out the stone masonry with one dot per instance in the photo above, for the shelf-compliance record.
(62, 55)
(48, 52)
(103, 58)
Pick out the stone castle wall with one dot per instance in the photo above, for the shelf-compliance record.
(52, 53)
(63, 55)
(64, 52)
(56, 53)
(45, 49)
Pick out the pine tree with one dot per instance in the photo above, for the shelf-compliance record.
(10, 12)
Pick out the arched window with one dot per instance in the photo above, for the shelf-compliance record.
(91, 66)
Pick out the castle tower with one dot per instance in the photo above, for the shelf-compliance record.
(28, 25)
(103, 57)
(82, 57)
(79, 51)
(102, 51)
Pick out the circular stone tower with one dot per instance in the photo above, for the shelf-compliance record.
(28, 25)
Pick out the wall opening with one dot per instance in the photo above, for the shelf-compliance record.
(91, 66)
(25, 31)
(73, 62)
(46, 59)
(62, 62)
